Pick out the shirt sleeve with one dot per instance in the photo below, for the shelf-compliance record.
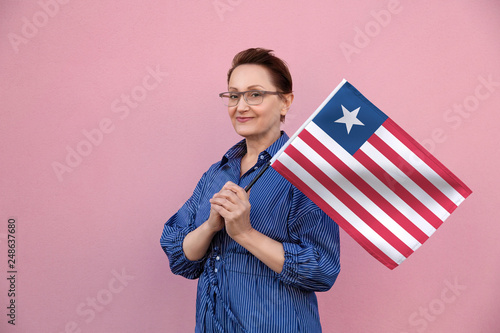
(174, 232)
(312, 260)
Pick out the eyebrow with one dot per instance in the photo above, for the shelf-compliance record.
(250, 87)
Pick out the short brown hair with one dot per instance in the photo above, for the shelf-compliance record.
(278, 69)
(280, 75)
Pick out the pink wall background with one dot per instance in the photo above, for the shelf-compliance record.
(87, 237)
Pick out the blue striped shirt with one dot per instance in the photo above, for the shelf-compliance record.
(236, 291)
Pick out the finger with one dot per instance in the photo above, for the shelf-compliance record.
(231, 187)
(218, 209)
(239, 191)
(228, 183)
(223, 202)
(223, 212)
(228, 195)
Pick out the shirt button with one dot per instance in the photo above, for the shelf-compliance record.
(255, 168)
(216, 270)
(261, 157)
(217, 258)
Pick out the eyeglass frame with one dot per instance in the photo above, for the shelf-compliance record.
(242, 93)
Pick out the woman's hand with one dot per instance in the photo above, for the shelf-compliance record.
(232, 204)
(215, 222)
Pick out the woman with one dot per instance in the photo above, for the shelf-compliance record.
(259, 256)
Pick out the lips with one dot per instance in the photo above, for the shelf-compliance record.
(243, 119)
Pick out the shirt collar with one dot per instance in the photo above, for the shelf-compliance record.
(240, 149)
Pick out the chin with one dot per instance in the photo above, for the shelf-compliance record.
(243, 131)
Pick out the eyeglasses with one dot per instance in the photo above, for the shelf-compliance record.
(252, 97)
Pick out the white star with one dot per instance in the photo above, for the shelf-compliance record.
(349, 118)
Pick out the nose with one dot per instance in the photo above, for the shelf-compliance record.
(242, 105)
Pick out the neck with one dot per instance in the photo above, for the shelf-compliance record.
(257, 145)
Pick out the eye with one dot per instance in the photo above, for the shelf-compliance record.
(255, 94)
(233, 96)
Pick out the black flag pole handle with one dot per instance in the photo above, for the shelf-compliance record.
(249, 186)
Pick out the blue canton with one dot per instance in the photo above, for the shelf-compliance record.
(351, 99)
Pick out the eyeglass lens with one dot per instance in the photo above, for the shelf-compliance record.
(251, 97)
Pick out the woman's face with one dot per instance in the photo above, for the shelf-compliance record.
(256, 122)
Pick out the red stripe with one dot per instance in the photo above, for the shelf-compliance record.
(373, 222)
(347, 200)
(364, 187)
(398, 189)
(353, 232)
(425, 156)
(412, 173)
(350, 203)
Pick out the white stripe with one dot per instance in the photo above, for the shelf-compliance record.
(356, 194)
(371, 179)
(411, 158)
(404, 181)
(340, 208)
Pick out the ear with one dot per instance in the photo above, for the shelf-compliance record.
(287, 103)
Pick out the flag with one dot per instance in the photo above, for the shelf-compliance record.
(363, 170)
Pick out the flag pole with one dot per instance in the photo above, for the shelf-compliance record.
(249, 186)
